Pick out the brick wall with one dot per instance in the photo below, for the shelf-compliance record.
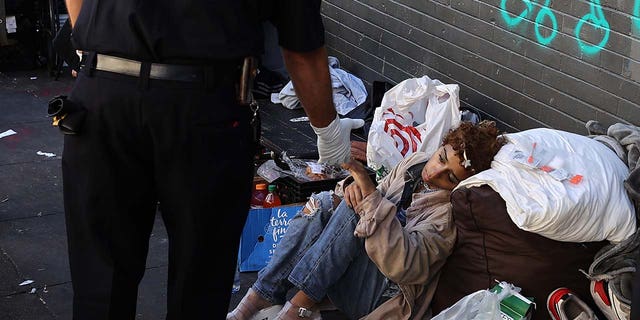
(580, 62)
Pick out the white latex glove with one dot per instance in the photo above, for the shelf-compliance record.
(334, 140)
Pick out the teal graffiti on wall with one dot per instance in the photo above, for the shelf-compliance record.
(545, 12)
(514, 21)
(595, 19)
(636, 14)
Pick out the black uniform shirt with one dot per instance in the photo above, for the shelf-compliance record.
(193, 31)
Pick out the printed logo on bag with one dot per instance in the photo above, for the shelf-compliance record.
(406, 137)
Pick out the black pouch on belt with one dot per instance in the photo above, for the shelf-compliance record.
(67, 116)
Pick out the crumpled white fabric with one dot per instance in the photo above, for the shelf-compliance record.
(595, 209)
(348, 90)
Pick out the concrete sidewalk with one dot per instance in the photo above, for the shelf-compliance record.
(33, 243)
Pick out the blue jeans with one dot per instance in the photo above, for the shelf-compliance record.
(320, 256)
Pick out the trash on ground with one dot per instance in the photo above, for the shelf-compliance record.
(26, 282)
(299, 119)
(7, 133)
(46, 154)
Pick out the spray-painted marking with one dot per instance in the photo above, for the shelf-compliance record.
(636, 14)
(595, 19)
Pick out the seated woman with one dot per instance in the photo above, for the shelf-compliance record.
(377, 251)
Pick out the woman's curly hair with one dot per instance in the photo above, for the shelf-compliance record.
(479, 142)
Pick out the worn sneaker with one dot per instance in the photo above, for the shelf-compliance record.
(563, 304)
(253, 307)
(611, 296)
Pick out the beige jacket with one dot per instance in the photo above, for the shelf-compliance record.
(411, 256)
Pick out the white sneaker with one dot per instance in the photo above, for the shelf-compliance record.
(611, 296)
(268, 313)
(563, 304)
(246, 310)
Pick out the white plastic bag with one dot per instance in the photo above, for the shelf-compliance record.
(480, 305)
(413, 116)
(535, 174)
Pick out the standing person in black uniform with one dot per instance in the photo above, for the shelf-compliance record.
(163, 124)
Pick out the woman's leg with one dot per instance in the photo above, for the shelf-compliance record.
(303, 230)
(335, 262)
(360, 290)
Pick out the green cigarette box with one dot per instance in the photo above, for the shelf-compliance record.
(515, 307)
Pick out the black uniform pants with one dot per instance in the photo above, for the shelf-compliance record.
(183, 145)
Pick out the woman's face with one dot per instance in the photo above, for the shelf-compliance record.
(444, 170)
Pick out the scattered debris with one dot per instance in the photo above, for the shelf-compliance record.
(33, 78)
(45, 289)
(4, 200)
(46, 154)
(299, 119)
(26, 282)
(33, 290)
(7, 133)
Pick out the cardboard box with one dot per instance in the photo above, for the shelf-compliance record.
(514, 307)
(262, 232)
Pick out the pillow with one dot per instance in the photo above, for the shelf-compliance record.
(490, 248)
(561, 185)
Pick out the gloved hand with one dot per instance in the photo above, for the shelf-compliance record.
(334, 140)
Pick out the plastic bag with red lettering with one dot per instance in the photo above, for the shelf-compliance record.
(413, 116)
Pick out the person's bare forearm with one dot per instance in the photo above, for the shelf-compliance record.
(73, 8)
(309, 73)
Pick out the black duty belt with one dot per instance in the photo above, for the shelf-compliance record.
(160, 71)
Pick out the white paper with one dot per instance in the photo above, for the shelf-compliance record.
(299, 119)
(26, 282)
(12, 26)
(7, 133)
(46, 154)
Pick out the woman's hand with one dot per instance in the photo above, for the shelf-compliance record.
(352, 195)
(359, 150)
(362, 185)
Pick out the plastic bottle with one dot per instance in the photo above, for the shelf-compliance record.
(259, 193)
(236, 281)
(272, 199)
(236, 278)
